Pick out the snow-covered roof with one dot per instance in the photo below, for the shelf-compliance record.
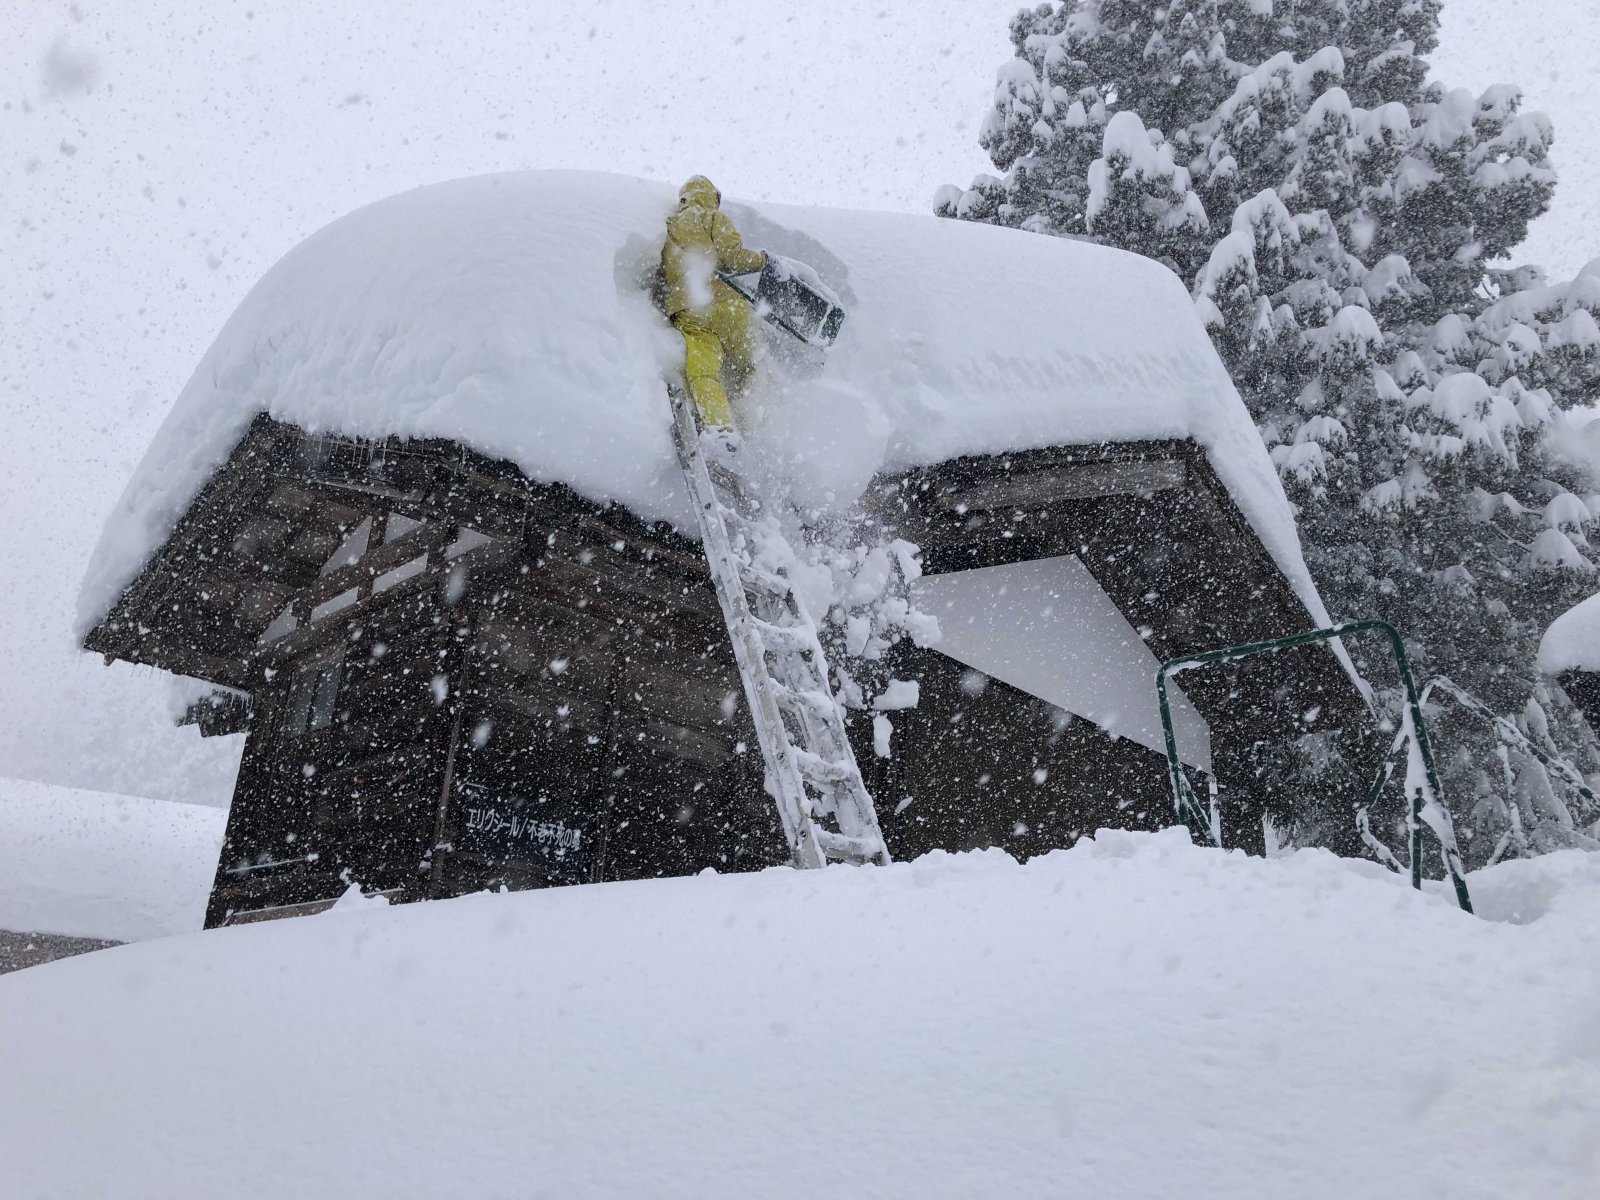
(1572, 643)
(504, 311)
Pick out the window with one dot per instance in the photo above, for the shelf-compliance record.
(313, 694)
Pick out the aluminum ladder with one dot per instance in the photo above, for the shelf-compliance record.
(811, 771)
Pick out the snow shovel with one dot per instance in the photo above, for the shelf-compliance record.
(791, 296)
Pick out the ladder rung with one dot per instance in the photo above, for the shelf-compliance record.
(819, 770)
(818, 702)
(773, 585)
(815, 680)
(723, 476)
(794, 643)
(801, 637)
(844, 848)
(733, 517)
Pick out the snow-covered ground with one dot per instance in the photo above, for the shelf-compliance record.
(1134, 1017)
(160, 160)
(89, 864)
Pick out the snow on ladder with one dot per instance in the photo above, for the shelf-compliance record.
(812, 775)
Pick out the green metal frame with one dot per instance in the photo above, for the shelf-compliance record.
(1413, 729)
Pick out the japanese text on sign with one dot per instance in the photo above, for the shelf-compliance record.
(553, 836)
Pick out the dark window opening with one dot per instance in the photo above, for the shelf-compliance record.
(313, 695)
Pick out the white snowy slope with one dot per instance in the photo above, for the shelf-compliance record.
(505, 311)
(1135, 1017)
(1572, 643)
(89, 864)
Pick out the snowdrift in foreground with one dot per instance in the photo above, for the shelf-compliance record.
(90, 864)
(1133, 1017)
(505, 311)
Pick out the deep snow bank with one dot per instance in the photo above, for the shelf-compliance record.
(504, 311)
(1133, 1017)
(90, 864)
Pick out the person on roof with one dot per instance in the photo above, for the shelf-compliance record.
(714, 319)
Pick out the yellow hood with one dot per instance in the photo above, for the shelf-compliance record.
(699, 190)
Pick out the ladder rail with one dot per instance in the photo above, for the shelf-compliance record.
(782, 666)
(802, 656)
(748, 652)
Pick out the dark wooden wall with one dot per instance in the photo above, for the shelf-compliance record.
(566, 712)
(1163, 539)
(514, 686)
(979, 763)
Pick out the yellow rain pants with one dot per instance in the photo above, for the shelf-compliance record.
(719, 353)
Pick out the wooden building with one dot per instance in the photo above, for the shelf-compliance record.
(472, 649)
(454, 678)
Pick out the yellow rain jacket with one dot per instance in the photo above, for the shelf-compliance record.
(701, 241)
(713, 318)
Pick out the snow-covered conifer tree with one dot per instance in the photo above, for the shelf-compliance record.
(1339, 220)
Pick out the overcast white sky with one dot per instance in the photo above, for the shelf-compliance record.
(158, 157)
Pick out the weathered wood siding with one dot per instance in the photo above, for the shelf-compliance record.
(460, 679)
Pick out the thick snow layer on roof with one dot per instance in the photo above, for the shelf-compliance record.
(1572, 643)
(90, 864)
(1134, 1017)
(504, 311)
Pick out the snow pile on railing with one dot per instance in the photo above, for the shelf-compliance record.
(507, 312)
(1136, 1016)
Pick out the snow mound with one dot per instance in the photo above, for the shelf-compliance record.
(1572, 643)
(1135, 1016)
(89, 864)
(505, 311)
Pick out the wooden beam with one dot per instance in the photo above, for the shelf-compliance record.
(689, 557)
(423, 540)
(153, 650)
(482, 559)
(1080, 481)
